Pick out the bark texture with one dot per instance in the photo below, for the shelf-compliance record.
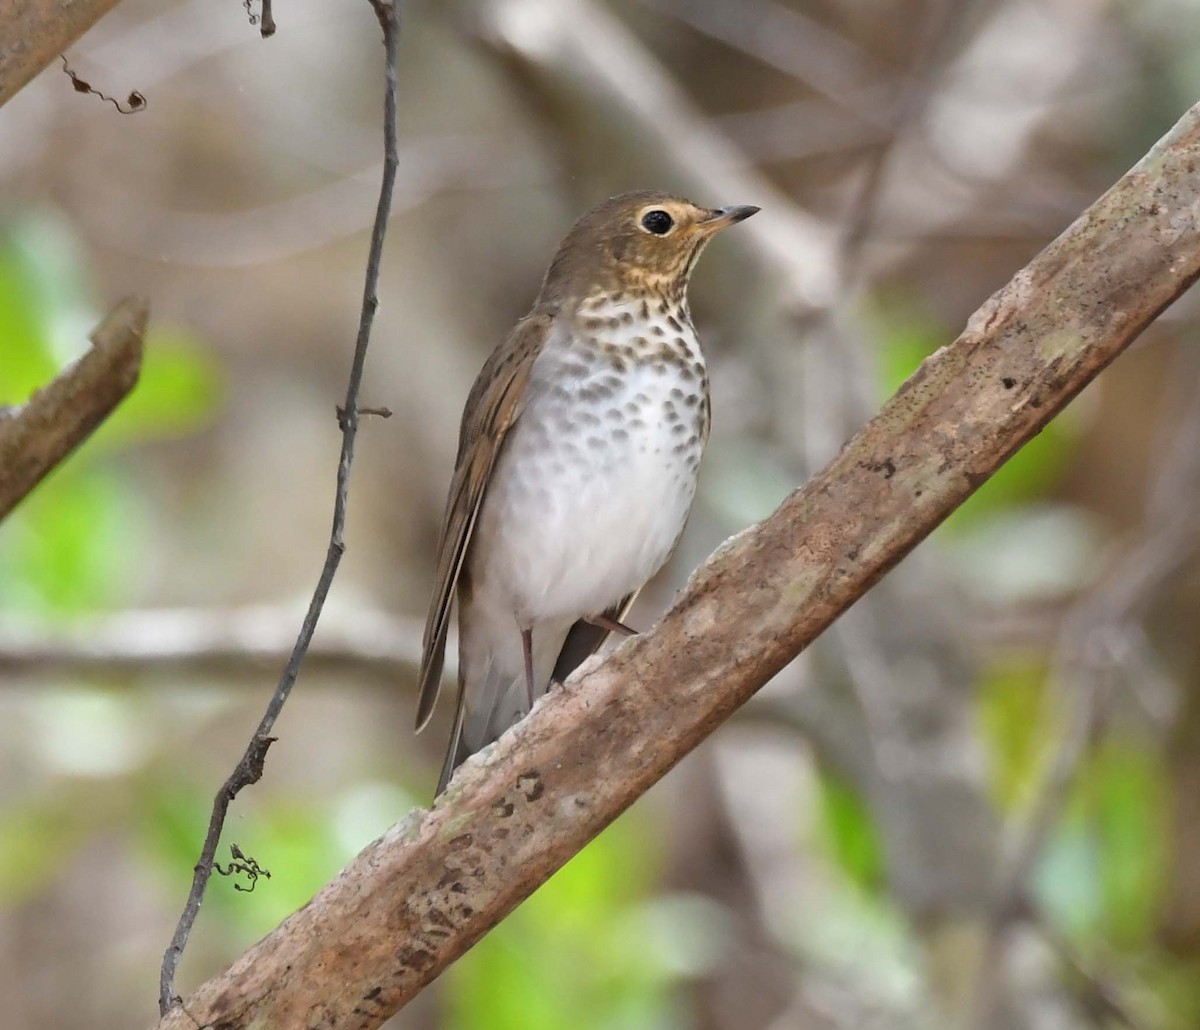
(38, 435)
(415, 900)
(34, 32)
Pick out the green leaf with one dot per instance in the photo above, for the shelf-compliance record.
(290, 839)
(848, 833)
(64, 548)
(575, 954)
(174, 819)
(25, 359)
(1017, 723)
(1105, 870)
(45, 314)
(67, 547)
(907, 336)
(37, 839)
(45, 318)
(1129, 804)
(176, 394)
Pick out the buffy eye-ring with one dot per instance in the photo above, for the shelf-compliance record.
(657, 222)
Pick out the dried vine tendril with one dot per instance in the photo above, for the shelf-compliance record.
(266, 19)
(242, 864)
(134, 104)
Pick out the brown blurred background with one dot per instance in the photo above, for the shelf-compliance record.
(975, 803)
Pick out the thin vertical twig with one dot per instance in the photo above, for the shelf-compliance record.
(250, 767)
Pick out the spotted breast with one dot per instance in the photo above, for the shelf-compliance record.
(594, 486)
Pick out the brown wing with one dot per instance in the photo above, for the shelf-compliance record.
(494, 404)
(584, 639)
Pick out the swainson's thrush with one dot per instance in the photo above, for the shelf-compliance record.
(577, 461)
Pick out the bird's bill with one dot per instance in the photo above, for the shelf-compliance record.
(726, 216)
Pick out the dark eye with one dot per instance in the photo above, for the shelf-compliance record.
(657, 222)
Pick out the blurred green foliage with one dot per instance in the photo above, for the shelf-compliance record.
(1018, 724)
(848, 832)
(71, 546)
(67, 548)
(907, 335)
(579, 953)
(294, 841)
(1104, 871)
(38, 835)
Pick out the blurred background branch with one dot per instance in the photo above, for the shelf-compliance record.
(37, 435)
(217, 644)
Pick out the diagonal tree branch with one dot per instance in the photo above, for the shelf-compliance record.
(36, 436)
(415, 900)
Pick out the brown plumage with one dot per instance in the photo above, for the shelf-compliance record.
(599, 390)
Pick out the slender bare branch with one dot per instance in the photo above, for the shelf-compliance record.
(798, 45)
(297, 224)
(415, 900)
(36, 436)
(250, 768)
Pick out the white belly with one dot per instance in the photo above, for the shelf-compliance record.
(593, 486)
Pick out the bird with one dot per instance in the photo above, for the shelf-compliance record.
(577, 463)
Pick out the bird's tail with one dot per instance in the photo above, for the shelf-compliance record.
(457, 752)
(485, 710)
(492, 695)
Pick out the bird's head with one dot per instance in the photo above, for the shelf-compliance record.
(643, 242)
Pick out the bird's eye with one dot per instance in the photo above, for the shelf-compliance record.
(658, 222)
